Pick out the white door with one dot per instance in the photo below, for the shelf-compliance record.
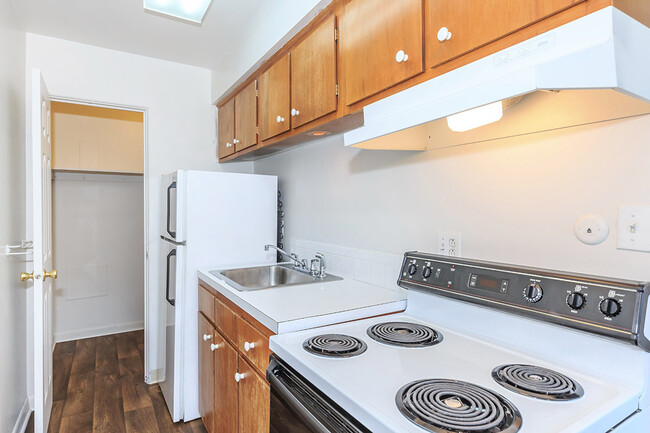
(42, 232)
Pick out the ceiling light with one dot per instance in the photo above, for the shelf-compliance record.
(475, 117)
(190, 10)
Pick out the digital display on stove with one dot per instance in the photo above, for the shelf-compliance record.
(484, 282)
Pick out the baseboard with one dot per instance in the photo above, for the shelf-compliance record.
(79, 334)
(23, 418)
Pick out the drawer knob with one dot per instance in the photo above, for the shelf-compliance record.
(401, 56)
(214, 347)
(280, 119)
(248, 346)
(239, 377)
(294, 112)
(206, 337)
(444, 34)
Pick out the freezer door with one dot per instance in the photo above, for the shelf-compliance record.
(171, 260)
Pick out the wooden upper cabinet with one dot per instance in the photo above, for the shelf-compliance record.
(226, 134)
(226, 406)
(206, 373)
(255, 393)
(456, 27)
(313, 75)
(275, 99)
(246, 117)
(380, 45)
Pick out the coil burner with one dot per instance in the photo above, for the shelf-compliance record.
(537, 382)
(404, 334)
(335, 345)
(452, 406)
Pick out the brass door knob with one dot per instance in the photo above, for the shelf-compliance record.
(24, 276)
(52, 274)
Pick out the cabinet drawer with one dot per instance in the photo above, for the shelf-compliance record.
(257, 355)
(206, 303)
(226, 321)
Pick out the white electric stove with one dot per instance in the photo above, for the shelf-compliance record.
(481, 348)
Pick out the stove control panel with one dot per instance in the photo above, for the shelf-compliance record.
(615, 308)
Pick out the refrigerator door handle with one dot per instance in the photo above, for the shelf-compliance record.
(169, 196)
(172, 302)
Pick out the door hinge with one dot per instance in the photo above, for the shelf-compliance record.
(336, 34)
(337, 89)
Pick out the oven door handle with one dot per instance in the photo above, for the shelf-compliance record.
(295, 404)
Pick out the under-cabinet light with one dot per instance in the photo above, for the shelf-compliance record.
(189, 10)
(318, 133)
(470, 119)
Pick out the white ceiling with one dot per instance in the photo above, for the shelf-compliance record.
(124, 25)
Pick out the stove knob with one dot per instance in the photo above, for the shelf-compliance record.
(610, 307)
(412, 269)
(575, 300)
(426, 272)
(533, 293)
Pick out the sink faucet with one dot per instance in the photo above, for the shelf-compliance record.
(300, 264)
(318, 266)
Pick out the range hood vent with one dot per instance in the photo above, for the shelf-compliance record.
(588, 71)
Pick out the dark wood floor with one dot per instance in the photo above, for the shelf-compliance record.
(99, 387)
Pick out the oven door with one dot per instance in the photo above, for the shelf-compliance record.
(298, 407)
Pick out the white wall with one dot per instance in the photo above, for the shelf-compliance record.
(514, 200)
(98, 239)
(179, 121)
(272, 25)
(13, 337)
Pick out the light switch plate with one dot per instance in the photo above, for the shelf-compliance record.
(634, 228)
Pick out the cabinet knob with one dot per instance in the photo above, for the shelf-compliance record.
(228, 144)
(294, 112)
(214, 347)
(206, 337)
(235, 141)
(280, 119)
(401, 56)
(239, 376)
(444, 34)
(248, 346)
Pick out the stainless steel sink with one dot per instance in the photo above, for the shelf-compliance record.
(264, 277)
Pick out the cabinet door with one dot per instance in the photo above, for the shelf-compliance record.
(274, 99)
(226, 134)
(246, 117)
(255, 393)
(456, 27)
(226, 405)
(381, 45)
(206, 373)
(313, 75)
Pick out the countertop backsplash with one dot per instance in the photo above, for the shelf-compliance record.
(372, 267)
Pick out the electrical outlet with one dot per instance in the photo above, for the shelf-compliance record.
(449, 244)
(634, 228)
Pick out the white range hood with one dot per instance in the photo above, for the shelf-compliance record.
(594, 69)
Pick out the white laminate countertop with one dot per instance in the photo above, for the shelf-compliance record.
(294, 308)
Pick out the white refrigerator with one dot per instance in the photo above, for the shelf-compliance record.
(208, 219)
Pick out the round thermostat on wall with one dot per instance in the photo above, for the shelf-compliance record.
(591, 229)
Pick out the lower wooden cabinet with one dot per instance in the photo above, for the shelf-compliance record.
(207, 335)
(226, 401)
(234, 396)
(254, 398)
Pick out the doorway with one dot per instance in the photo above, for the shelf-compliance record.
(99, 219)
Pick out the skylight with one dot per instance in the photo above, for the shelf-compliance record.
(189, 10)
